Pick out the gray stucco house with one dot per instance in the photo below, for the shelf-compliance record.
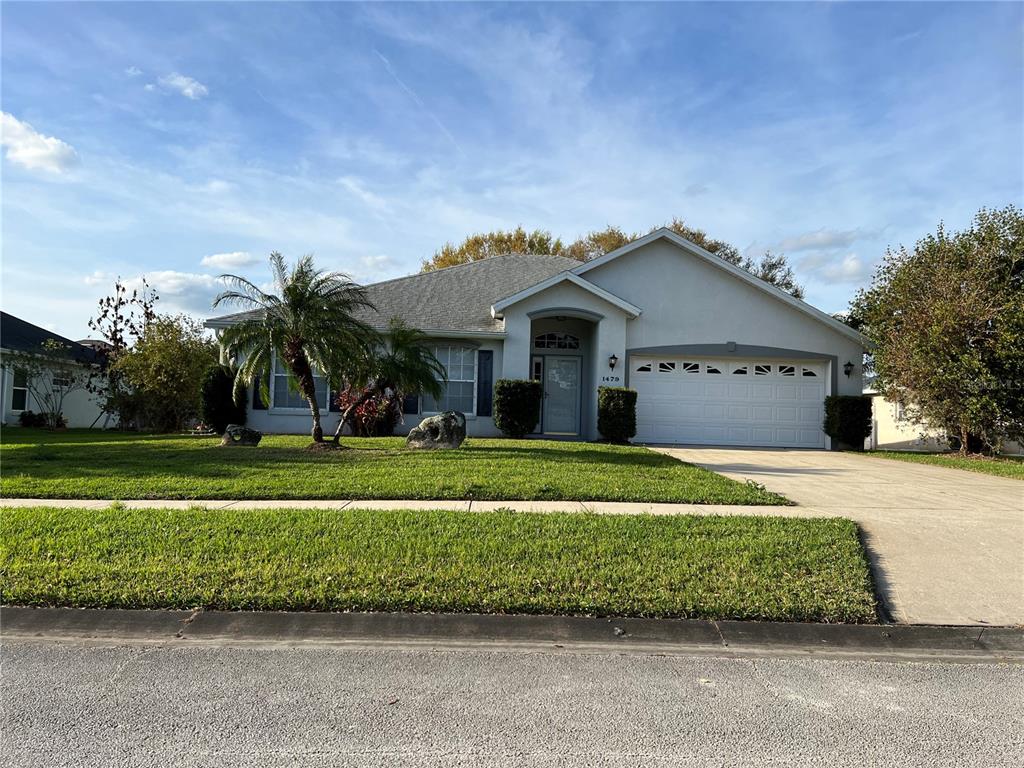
(717, 356)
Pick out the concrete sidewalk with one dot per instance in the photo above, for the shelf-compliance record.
(599, 507)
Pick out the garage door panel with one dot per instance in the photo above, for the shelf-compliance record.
(713, 412)
(739, 391)
(738, 413)
(785, 414)
(749, 403)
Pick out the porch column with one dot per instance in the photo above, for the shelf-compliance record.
(609, 339)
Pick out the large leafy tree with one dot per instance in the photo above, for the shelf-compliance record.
(483, 245)
(772, 268)
(309, 323)
(163, 372)
(404, 365)
(947, 323)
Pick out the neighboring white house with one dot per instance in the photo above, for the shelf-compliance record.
(890, 430)
(716, 355)
(80, 408)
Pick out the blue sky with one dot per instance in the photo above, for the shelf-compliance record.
(183, 140)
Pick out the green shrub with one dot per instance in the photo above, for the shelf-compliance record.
(517, 406)
(616, 413)
(41, 420)
(218, 407)
(848, 419)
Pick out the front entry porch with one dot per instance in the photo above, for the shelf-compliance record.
(560, 359)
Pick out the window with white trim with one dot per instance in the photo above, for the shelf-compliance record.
(809, 372)
(285, 394)
(644, 367)
(691, 367)
(708, 368)
(762, 369)
(666, 366)
(556, 340)
(19, 391)
(460, 393)
(787, 370)
(738, 370)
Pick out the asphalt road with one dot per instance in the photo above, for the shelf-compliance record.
(82, 704)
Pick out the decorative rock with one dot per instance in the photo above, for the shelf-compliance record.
(236, 434)
(445, 430)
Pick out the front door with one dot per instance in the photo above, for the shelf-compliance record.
(562, 395)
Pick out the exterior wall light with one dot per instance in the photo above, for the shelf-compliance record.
(614, 359)
(848, 368)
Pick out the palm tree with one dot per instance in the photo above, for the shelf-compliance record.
(406, 366)
(309, 324)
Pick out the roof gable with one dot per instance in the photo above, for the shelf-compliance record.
(630, 309)
(663, 233)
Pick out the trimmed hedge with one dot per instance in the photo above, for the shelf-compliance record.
(517, 406)
(616, 413)
(218, 400)
(848, 419)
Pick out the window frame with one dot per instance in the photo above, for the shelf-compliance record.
(551, 339)
(15, 388)
(271, 408)
(474, 382)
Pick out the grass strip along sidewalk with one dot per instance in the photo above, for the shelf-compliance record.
(769, 568)
(1001, 466)
(109, 465)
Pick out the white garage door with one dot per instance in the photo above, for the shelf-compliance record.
(729, 401)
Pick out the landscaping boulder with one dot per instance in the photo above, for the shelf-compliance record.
(445, 430)
(236, 434)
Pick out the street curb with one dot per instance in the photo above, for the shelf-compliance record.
(499, 630)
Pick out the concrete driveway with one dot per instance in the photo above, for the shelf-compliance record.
(947, 546)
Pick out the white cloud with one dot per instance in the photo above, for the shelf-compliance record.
(133, 71)
(97, 277)
(359, 191)
(32, 150)
(149, 87)
(822, 239)
(180, 291)
(186, 86)
(828, 268)
(231, 260)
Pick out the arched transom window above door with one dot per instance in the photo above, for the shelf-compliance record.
(556, 341)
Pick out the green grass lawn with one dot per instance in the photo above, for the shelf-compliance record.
(87, 464)
(769, 568)
(1003, 466)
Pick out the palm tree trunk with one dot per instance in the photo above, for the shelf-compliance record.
(314, 409)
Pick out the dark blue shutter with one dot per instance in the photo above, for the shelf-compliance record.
(332, 401)
(411, 405)
(484, 382)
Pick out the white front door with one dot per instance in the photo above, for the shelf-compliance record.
(561, 395)
(729, 402)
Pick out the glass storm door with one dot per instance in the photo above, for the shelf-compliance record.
(562, 396)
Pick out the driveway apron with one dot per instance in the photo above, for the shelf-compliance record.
(946, 545)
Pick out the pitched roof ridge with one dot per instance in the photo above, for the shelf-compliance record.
(472, 263)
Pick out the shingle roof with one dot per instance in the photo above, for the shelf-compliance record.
(20, 335)
(454, 298)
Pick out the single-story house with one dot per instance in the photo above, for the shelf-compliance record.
(80, 408)
(716, 355)
(892, 431)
